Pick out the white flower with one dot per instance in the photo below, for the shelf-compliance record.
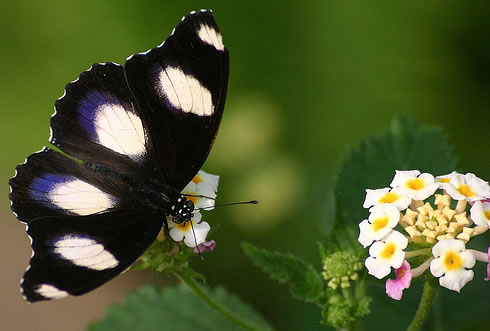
(414, 185)
(467, 187)
(381, 221)
(385, 254)
(451, 261)
(446, 179)
(179, 231)
(384, 196)
(480, 213)
(202, 190)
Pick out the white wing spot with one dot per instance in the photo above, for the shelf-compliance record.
(184, 92)
(211, 37)
(80, 197)
(85, 252)
(50, 292)
(120, 130)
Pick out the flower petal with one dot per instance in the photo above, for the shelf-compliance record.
(479, 185)
(381, 221)
(207, 201)
(467, 187)
(456, 280)
(190, 188)
(488, 264)
(480, 213)
(365, 235)
(436, 268)
(448, 244)
(176, 234)
(376, 268)
(373, 196)
(402, 176)
(207, 246)
(446, 178)
(395, 287)
(382, 197)
(200, 231)
(415, 185)
(211, 180)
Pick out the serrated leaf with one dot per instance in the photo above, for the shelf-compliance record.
(176, 308)
(405, 146)
(305, 282)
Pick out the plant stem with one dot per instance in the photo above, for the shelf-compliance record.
(428, 295)
(204, 296)
(417, 252)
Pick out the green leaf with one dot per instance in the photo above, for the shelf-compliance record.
(329, 210)
(405, 146)
(306, 283)
(175, 308)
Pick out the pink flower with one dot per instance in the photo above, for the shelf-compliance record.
(488, 265)
(206, 246)
(482, 201)
(395, 287)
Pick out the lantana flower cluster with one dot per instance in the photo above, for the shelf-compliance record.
(202, 192)
(403, 225)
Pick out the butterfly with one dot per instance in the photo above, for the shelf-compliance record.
(131, 138)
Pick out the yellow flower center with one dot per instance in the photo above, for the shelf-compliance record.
(380, 223)
(389, 198)
(197, 179)
(445, 180)
(388, 251)
(184, 226)
(466, 191)
(452, 261)
(487, 214)
(415, 184)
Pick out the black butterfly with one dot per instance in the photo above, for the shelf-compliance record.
(133, 137)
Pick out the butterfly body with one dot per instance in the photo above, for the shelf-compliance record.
(132, 138)
(142, 193)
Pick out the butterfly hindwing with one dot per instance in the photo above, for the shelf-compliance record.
(51, 184)
(181, 85)
(84, 227)
(73, 255)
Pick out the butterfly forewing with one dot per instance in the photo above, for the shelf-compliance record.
(181, 85)
(97, 121)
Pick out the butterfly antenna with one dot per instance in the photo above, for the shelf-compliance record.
(195, 241)
(251, 202)
(199, 196)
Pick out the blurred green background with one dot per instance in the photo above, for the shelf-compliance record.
(307, 80)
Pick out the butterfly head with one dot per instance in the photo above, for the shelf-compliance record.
(182, 210)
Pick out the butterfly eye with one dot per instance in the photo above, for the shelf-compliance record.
(189, 205)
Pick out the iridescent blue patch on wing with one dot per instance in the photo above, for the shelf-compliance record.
(90, 104)
(42, 185)
(87, 111)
